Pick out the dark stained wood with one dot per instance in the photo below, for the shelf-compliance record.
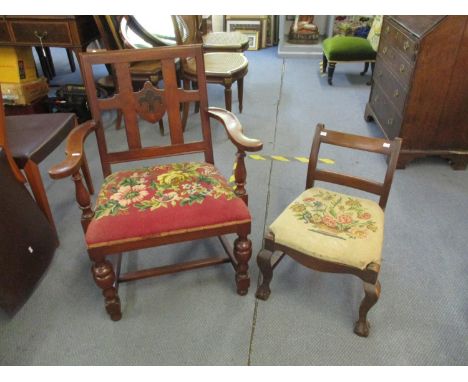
(164, 100)
(420, 87)
(370, 274)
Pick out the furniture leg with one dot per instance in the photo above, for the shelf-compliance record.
(264, 263)
(240, 92)
(331, 70)
(372, 293)
(44, 64)
(242, 253)
(366, 68)
(197, 104)
(161, 126)
(228, 94)
(71, 60)
(37, 187)
(104, 276)
(324, 64)
(372, 71)
(50, 61)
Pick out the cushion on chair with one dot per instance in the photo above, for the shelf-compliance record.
(333, 227)
(222, 64)
(348, 48)
(163, 200)
(145, 67)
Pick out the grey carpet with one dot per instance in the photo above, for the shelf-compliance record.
(196, 318)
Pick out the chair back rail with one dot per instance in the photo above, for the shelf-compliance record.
(187, 29)
(149, 103)
(376, 145)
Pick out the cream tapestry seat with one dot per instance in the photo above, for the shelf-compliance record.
(333, 227)
(328, 231)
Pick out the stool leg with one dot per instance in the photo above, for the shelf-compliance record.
(331, 70)
(264, 263)
(228, 94)
(37, 187)
(240, 92)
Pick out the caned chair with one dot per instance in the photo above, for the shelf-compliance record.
(346, 49)
(161, 204)
(331, 231)
(224, 68)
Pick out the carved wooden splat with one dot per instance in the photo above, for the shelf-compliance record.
(149, 103)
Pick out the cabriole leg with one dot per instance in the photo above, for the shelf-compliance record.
(264, 263)
(372, 293)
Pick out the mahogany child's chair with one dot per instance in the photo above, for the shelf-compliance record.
(334, 232)
(166, 203)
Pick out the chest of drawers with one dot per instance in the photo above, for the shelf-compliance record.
(420, 86)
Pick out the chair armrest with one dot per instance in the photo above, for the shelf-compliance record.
(234, 130)
(74, 151)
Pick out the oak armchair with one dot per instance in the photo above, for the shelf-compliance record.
(161, 204)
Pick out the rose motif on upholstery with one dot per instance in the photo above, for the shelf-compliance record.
(334, 215)
(150, 188)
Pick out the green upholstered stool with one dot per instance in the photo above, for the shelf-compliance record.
(347, 49)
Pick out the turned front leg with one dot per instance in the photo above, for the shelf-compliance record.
(372, 293)
(242, 253)
(104, 276)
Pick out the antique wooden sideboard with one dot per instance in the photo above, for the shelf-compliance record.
(73, 32)
(420, 86)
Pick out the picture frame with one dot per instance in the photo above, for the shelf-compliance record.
(252, 35)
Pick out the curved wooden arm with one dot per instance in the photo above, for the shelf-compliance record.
(74, 151)
(234, 130)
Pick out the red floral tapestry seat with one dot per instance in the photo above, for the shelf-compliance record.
(163, 200)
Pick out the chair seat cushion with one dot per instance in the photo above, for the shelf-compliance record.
(221, 64)
(35, 136)
(333, 227)
(224, 40)
(348, 48)
(163, 200)
(146, 67)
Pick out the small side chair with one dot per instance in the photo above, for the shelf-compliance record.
(334, 232)
(348, 49)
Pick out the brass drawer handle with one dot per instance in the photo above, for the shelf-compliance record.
(387, 29)
(384, 50)
(390, 121)
(402, 68)
(40, 36)
(396, 93)
(405, 45)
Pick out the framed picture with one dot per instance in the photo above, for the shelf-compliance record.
(239, 25)
(253, 38)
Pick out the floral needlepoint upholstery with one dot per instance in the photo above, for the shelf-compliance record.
(333, 227)
(165, 199)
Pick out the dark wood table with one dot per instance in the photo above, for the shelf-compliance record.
(71, 32)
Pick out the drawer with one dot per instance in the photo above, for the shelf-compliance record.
(400, 67)
(52, 33)
(400, 40)
(387, 117)
(394, 90)
(4, 34)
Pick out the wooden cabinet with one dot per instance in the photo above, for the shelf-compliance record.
(420, 86)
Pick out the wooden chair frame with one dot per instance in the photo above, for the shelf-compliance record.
(194, 36)
(105, 275)
(369, 275)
